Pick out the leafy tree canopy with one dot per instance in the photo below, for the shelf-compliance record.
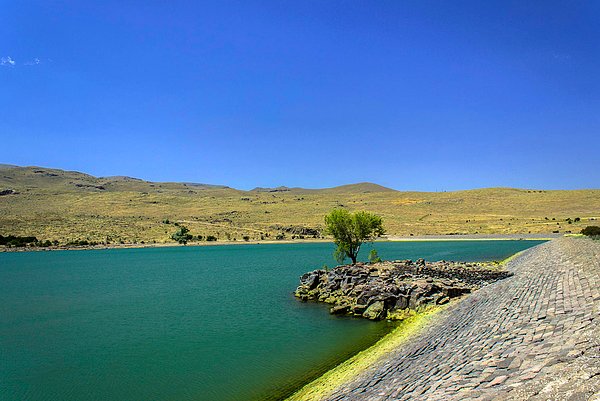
(351, 230)
(182, 235)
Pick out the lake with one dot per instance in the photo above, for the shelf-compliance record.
(182, 323)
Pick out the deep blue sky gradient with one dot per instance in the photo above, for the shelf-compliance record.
(415, 95)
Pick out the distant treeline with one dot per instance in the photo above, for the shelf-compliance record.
(17, 241)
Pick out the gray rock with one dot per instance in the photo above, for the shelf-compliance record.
(401, 302)
(339, 309)
(375, 311)
(355, 289)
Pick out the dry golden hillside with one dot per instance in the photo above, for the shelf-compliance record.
(56, 204)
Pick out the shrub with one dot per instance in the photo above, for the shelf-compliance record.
(591, 231)
(15, 240)
(211, 238)
(374, 256)
(182, 235)
(246, 238)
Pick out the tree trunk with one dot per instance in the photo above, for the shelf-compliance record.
(354, 254)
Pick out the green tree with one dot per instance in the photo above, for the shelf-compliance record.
(591, 231)
(351, 230)
(374, 256)
(182, 235)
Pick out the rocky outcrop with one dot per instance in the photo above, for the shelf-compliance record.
(382, 290)
(297, 230)
(90, 186)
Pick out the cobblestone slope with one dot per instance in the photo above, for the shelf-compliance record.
(533, 336)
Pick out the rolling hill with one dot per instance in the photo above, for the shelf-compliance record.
(67, 205)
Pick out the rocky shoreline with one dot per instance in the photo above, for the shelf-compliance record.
(387, 290)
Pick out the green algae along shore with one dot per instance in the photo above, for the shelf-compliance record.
(410, 321)
(412, 325)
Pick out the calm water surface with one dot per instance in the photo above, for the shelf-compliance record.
(195, 323)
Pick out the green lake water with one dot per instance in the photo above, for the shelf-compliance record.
(181, 323)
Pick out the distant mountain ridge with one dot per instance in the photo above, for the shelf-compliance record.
(44, 177)
(7, 166)
(361, 187)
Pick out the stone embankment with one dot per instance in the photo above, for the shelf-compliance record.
(533, 336)
(387, 289)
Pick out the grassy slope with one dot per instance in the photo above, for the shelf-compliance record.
(51, 205)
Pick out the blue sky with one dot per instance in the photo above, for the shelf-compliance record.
(415, 95)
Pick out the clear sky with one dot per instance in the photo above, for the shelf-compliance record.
(415, 95)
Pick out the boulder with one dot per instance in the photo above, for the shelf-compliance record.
(401, 302)
(359, 309)
(365, 297)
(339, 309)
(375, 311)
(388, 299)
(418, 293)
(312, 281)
(442, 300)
(453, 292)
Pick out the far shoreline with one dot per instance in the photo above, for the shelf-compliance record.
(474, 237)
(389, 238)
